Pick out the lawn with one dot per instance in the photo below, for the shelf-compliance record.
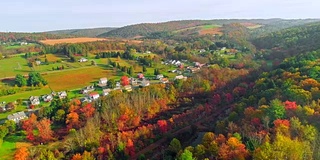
(7, 150)
(25, 95)
(72, 79)
(210, 26)
(17, 46)
(9, 67)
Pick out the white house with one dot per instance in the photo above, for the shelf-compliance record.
(106, 92)
(127, 88)
(87, 89)
(145, 83)
(103, 82)
(47, 97)
(83, 60)
(16, 117)
(159, 76)
(94, 96)
(180, 77)
(34, 100)
(62, 94)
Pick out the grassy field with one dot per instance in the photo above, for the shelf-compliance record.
(10, 67)
(25, 95)
(17, 46)
(71, 79)
(7, 150)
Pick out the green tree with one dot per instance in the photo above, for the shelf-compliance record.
(20, 80)
(175, 146)
(111, 83)
(186, 155)
(60, 116)
(144, 68)
(276, 110)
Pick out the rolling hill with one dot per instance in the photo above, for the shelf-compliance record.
(92, 32)
(195, 27)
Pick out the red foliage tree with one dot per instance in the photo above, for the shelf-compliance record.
(130, 148)
(216, 99)
(163, 126)
(28, 125)
(124, 81)
(87, 110)
(229, 97)
(72, 120)
(279, 122)
(45, 132)
(290, 105)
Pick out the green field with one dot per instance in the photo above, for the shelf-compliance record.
(17, 46)
(7, 150)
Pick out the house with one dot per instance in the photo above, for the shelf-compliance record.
(38, 62)
(17, 117)
(133, 81)
(106, 92)
(83, 60)
(62, 94)
(103, 82)
(140, 76)
(34, 100)
(193, 69)
(164, 80)
(87, 89)
(84, 100)
(94, 96)
(145, 83)
(202, 50)
(197, 64)
(118, 85)
(47, 98)
(127, 88)
(180, 77)
(159, 76)
(2, 107)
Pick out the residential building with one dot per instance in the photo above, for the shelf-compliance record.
(159, 76)
(87, 89)
(83, 60)
(17, 117)
(106, 92)
(103, 82)
(164, 80)
(94, 96)
(127, 88)
(47, 98)
(180, 77)
(140, 76)
(145, 83)
(34, 100)
(62, 94)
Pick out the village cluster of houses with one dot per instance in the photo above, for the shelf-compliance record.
(36, 100)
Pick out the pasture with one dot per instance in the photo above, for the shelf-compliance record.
(76, 78)
(9, 67)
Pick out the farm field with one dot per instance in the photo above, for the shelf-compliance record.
(11, 66)
(17, 46)
(211, 31)
(71, 40)
(72, 79)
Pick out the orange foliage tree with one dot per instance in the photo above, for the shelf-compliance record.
(21, 154)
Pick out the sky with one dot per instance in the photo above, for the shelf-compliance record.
(46, 15)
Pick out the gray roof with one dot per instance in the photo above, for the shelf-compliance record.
(17, 116)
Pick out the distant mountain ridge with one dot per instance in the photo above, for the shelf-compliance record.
(90, 32)
(184, 27)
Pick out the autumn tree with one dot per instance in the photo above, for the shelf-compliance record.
(21, 154)
(163, 126)
(124, 81)
(72, 120)
(45, 132)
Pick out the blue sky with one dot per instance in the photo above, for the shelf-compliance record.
(44, 15)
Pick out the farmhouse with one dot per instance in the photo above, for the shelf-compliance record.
(180, 77)
(133, 81)
(16, 117)
(2, 108)
(34, 100)
(83, 60)
(62, 94)
(85, 99)
(145, 83)
(164, 80)
(159, 76)
(47, 98)
(118, 85)
(127, 88)
(87, 89)
(106, 92)
(140, 76)
(38, 63)
(103, 82)
(94, 96)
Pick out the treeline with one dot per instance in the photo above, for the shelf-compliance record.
(29, 37)
(301, 38)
